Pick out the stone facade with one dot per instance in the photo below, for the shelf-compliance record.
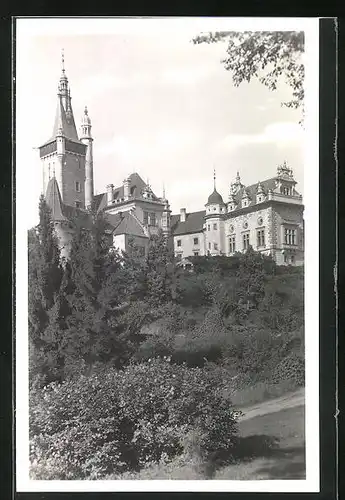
(267, 216)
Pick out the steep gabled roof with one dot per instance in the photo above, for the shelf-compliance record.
(62, 212)
(64, 121)
(137, 185)
(125, 223)
(193, 224)
(54, 201)
(99, 201)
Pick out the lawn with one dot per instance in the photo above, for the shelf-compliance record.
(270, 446)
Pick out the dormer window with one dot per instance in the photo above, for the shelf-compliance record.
(286, 190)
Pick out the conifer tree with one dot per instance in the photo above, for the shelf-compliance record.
(161, 277)
(251, 279)
(93, 330)
(44, 280)
(45, 272)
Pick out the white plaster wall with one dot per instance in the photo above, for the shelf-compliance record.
(187, 247)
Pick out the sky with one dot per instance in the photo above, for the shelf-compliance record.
(160, 106)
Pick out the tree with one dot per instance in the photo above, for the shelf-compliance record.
(160, 271)
(45, 271)
(265, 55)
(94, 331)
(252, 274)
(44, 280)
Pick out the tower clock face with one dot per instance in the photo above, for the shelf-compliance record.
(260, 221)
(245, 224)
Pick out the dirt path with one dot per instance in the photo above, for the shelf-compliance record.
(291, 400)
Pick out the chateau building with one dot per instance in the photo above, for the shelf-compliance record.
(267, 216)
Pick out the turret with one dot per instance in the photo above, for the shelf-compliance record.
(166, 216)
(86, 138)
(260, 195)
(110, 193)
(127, 188)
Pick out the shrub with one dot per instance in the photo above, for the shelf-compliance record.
(292, 367)
(111, 422)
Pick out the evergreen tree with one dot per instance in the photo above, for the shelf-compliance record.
(251, 280)
(45, 271)
(161, 275)
(44, 280)
(93, 332)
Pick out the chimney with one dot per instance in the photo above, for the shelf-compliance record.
(110, 193)
(183, 215)
(127, 188)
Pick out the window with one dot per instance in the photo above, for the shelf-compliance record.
(196, 254)
(146, 218)
(289, 236)
(77, 204)
(292, 259)
(209, 245)
(77, 186)
(196, 241)
(215, 246)
(244, 203)
(215, 227)
(179, 243)
(208, 227)
(260, 237)
(179, 256)
(285, 258)
(245, 240)
(286, 190)
(232, 244)
(152, 217)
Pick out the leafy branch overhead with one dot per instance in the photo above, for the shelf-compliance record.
(265, 55)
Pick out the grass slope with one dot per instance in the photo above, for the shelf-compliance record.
(270, 446)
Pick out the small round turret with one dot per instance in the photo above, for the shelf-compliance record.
(215, 198)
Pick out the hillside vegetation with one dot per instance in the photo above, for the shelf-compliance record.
(133, 361)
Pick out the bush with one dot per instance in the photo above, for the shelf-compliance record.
(121, 420)
(292, 367)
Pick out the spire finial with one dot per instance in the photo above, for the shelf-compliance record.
(163, 191)
(85, 110)
(63, 60)
(214, 178)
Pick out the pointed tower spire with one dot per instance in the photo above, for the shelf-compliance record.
(63, 61)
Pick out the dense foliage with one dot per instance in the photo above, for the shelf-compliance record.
(114, 421)
(265, 55)
(102, 399)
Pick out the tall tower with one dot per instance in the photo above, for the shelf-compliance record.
(214, 219)
(86, 138)
(63, 155)
(166, 216)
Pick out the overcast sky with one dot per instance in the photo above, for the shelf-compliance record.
(159, 106)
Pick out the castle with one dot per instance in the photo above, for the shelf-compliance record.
(267, 215)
